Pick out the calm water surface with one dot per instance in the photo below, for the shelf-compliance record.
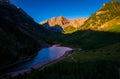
(46, 54)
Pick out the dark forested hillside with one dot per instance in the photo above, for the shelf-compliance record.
(20, 35)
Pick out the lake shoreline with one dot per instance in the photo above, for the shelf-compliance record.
(37, 66)
(4, 70)
(30, 57)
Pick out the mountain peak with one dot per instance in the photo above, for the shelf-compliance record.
(54, 18)
(61, 20)
(61, 17)
(64, 22)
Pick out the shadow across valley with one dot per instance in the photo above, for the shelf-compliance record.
(86, 39)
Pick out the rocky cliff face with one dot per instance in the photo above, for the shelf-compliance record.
(56, 21)
(76, 22)
(55, 24)
(63, 22)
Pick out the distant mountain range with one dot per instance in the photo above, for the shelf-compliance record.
(63, 23)
(107, 18)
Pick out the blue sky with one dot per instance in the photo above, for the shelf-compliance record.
(41, 10)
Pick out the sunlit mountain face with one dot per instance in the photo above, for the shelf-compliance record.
(63, 23)
(59, 39)
(106, 18)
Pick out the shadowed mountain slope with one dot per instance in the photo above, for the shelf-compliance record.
(20, 35)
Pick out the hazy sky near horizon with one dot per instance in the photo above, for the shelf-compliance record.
(42, 10)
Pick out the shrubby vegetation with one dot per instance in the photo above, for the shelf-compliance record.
(70, 29)
(114, 28)
(86, 39)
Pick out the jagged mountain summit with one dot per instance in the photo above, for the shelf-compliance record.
(55, 24)
(56, 21)
(63, 22)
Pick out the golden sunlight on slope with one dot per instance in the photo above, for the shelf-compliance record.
(107, 25)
